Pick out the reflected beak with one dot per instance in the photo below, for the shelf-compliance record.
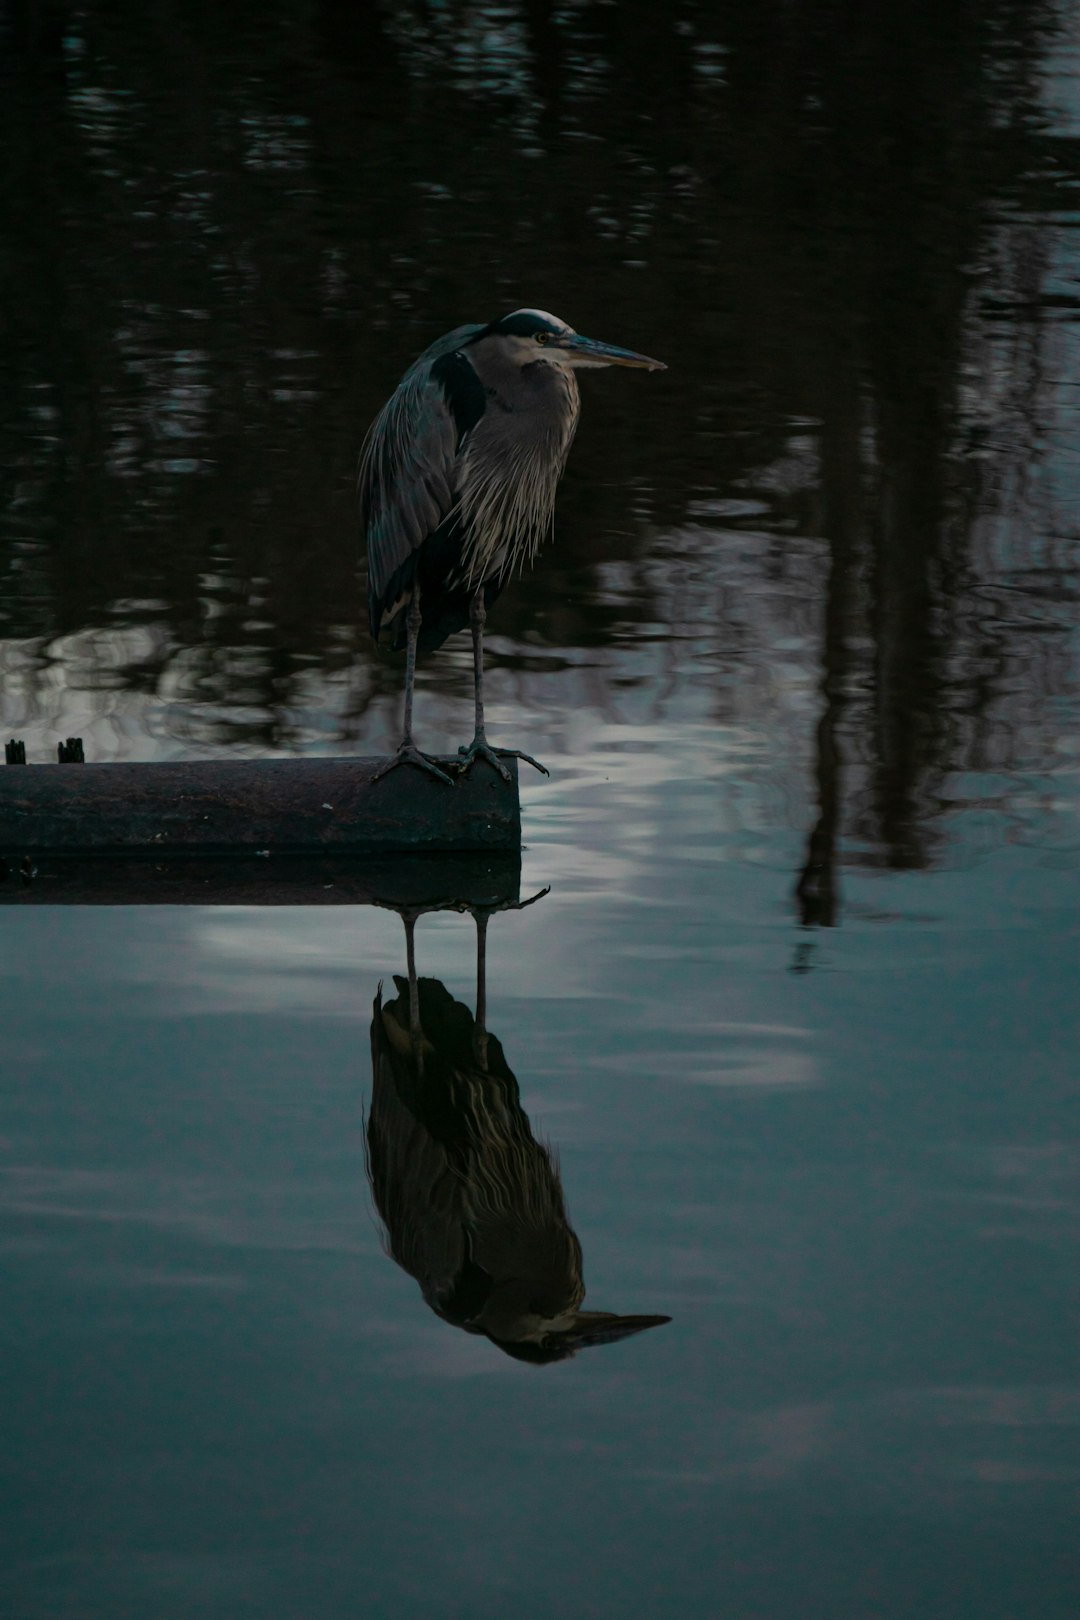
(604, 1327)
(583, 351)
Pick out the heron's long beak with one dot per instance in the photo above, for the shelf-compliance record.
(583, 351)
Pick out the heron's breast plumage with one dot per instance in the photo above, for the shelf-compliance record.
(510, 465)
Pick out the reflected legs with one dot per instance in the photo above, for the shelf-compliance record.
(480, 1036)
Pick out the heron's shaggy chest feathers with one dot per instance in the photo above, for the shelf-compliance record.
(511, 462)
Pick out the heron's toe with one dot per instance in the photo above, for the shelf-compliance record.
(479, 748)
(409, 754)
(467, 758)
(515, 753)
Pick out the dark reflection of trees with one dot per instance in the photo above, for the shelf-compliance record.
(920, 122)
(226, 229)
(471, 1202)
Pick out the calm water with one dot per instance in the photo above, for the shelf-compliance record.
(799, 1013)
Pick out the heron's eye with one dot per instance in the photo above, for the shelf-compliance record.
(543, 337)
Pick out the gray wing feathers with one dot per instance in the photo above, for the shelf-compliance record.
(409, 467)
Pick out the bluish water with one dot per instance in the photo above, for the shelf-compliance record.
(798, 1014)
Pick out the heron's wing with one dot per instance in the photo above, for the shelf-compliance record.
(410, 463)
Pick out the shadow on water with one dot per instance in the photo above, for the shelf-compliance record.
(472, 1204)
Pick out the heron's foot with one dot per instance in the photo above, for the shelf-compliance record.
(479, 748)
(409, 754)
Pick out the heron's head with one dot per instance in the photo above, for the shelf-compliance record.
(531, 335)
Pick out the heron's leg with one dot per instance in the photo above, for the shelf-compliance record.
(477, 620)
(478, 748)
(408, 753)
(412, 630)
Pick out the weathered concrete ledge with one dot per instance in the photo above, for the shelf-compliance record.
(279, 806)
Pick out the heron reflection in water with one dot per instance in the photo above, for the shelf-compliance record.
(471, 1202)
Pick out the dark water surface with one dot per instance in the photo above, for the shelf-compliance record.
(799, 1013)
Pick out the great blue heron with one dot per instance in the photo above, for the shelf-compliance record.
(471, 1203)
(457, 486)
